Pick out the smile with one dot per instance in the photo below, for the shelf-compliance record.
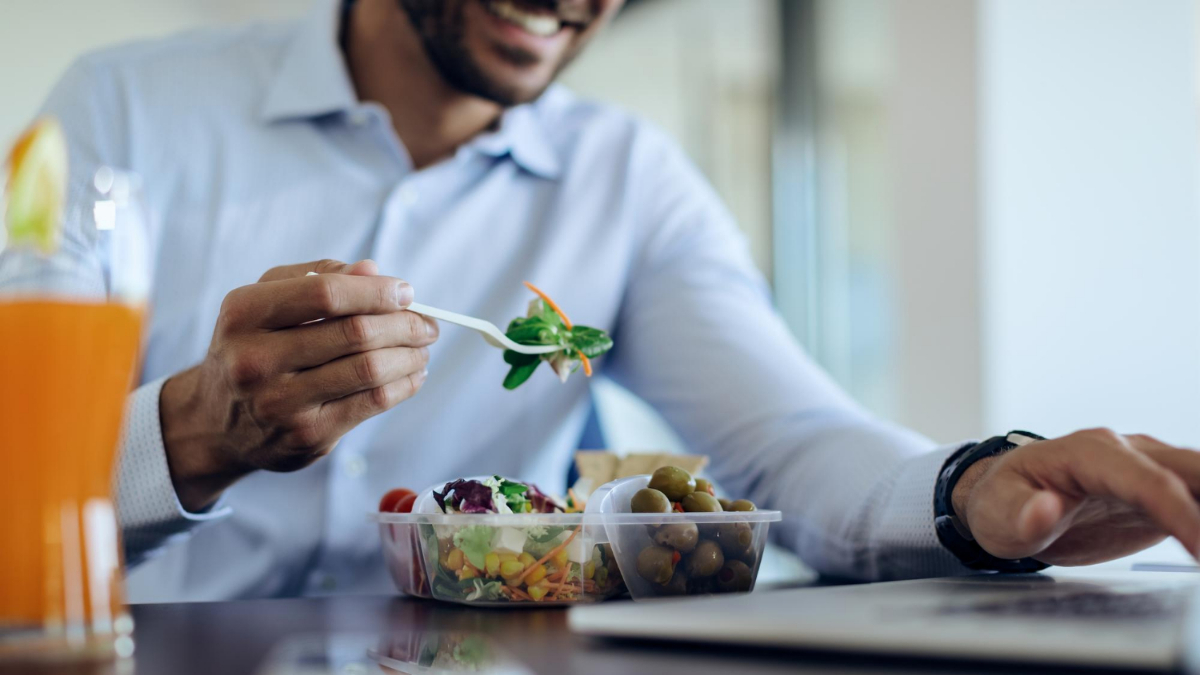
(534, 23)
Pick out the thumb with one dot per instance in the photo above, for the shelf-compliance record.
(1011, 518)
(1040, 516)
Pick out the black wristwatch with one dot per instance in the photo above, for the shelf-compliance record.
(950, 532)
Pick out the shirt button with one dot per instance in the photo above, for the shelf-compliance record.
(355, 465)
(359, 118)
(409, 196)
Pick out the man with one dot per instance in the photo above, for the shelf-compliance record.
(423, 139)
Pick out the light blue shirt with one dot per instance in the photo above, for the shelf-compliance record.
(256, 152)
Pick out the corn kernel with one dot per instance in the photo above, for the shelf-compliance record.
(560, 558)
(526, 559)
(455, 559)
(507, 557)
(589, 570)
(538, 591)
(492, 564)
(511, 568)
(536, 575)
(467, 572)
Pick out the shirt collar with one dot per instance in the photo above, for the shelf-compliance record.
(312, 81)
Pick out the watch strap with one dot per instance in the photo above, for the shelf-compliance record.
(950, 532)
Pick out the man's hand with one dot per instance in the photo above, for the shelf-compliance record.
(278, 388)
(1082, 499)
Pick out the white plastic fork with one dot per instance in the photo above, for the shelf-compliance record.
(494, 336)
(490, 332)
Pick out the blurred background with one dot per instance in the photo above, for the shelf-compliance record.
(978, 215)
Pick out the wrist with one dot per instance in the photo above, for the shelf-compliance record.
(194, 442)
(960, 496)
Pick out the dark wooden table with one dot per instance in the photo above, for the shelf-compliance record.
(336, 635)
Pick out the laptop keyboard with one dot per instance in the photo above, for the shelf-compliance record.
(1088, 605)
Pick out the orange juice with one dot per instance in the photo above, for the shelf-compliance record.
(65, 371)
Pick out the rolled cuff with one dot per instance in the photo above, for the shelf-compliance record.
(905, 538)
(148, 509)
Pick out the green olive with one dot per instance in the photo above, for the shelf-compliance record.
(705, 561)
(700, 501)
(648, 500)
(678, 585)
(749, 556)
(680, 536)
(741, 505)
(656, 564)
(725, 503)
(703, 485)
(673, 482)
(702, 586)
(734, 538)
(735, 577)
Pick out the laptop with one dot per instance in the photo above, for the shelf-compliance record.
(1126, 619)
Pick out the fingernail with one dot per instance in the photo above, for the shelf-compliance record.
(431, 329)
(404, 293)
(423, 374)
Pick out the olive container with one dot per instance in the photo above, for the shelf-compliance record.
(672, 554)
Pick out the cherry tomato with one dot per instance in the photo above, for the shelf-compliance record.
(405, 505)
(393, 498)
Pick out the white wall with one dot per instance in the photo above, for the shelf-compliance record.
(1091, 231)
(40, 38)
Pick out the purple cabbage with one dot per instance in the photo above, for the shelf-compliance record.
(540, 502)
(469, 496)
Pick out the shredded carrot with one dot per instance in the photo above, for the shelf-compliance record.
(519, 594)
(548, 556)
(553, 305)
(587, 364)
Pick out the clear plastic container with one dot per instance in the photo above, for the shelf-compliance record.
(674, 554)
(500, 560)
(562, 559)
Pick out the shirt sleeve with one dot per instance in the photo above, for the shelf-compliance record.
(698, 339)
(148, 509)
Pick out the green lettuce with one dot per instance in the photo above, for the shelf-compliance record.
(475, 542)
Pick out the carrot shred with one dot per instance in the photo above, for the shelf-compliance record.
(587, 364)
(553, 305)
(548, 556)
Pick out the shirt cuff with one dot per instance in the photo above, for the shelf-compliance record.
(148, 510)
(906, 540)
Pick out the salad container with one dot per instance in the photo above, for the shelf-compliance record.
(500, 559)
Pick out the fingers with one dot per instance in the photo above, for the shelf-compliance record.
(345, 413)
(1182, 462)
(357, 372)
(289, 302)
(361, 268)
(318, 343)
(1109, 467)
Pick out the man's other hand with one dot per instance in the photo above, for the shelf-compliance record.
(296, 361)
(1081, 499)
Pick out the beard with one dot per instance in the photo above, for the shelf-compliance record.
(441, 25)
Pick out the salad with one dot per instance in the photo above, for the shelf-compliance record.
(497, 564)
(546, 324)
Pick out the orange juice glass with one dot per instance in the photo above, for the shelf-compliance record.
(70, 330)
